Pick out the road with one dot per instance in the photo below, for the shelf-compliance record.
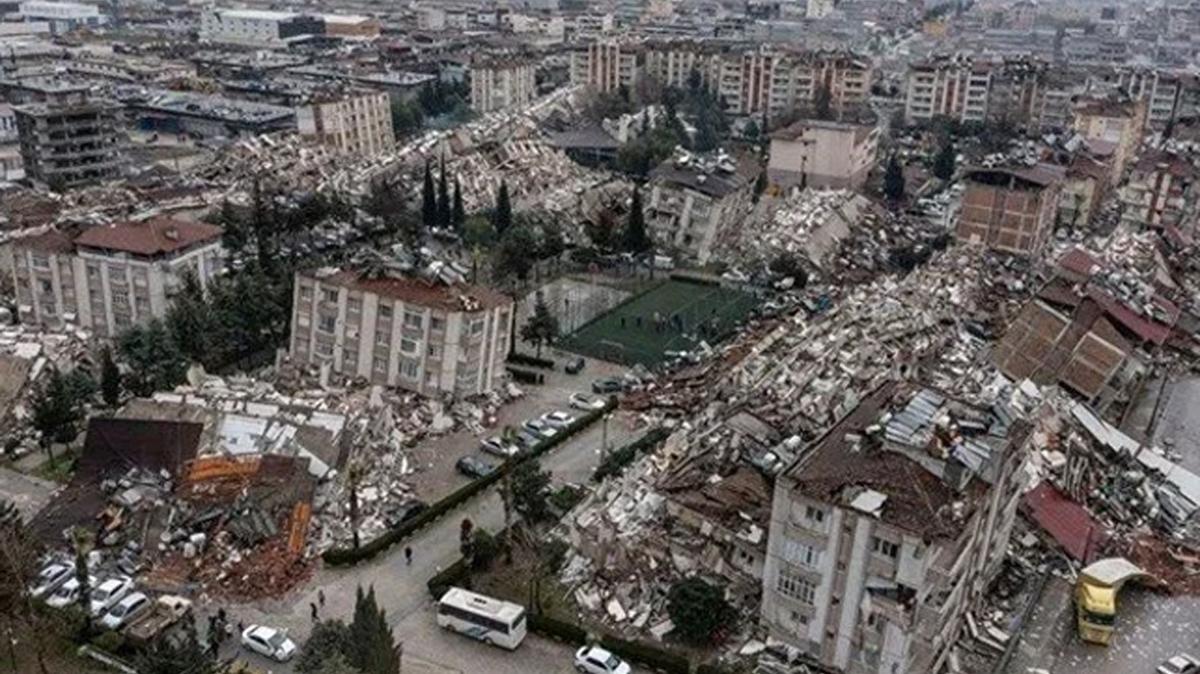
(401, 591)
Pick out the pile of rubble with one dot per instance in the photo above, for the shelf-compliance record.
(26, 352)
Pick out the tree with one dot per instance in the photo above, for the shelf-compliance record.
(110, 378)
(406, 118)
(372, 647)
(788, 265)
(751, 131)
(823, 102)
(542, 326)
(155, 362)
(943, 162)
(329, 639)
(337, 664)
(192, 324)
(354, 475)
(760, 184)
(164, 656)
(83, 541)
(603, 230)
(445, 217)
(513, 259)
(634, 239)
(893, 180)
(20, 559)
(697, 608)
(530, 486)
(58, 407)
(429, 206)
(483, 549)
(503, 217)
(551, 245)
(457, 215)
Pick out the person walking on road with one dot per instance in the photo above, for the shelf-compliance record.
(408, 555)
(313, 607)
(321, 597)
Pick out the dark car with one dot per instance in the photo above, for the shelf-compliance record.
(609, 385)
(404, 512)
(575, 366)
(474, 467)
(526, 440)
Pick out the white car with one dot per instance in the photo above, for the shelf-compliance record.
(596, 660)
(558, 419)
(50, 578)
(268, 641)
(540, 428)
(585, 402)
(125, 611)
(495, 445)
(107, 594)
(68, 593)
(1180, 664)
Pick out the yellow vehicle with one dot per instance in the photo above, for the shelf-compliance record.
(1096, 597)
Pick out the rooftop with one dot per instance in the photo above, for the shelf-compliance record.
(716, 175)
(159, 236)
(419, 291)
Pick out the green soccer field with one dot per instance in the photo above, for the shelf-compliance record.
(687, 313)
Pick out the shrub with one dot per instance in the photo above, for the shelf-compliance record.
(527, 377)
(484, 548)
(697, 608)
(553, 554)
(558, 629)
(109, 641)
(531, 361)
(447, 578)
(617, 461)
(566, 497)
(647, 654)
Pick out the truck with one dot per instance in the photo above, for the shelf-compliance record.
(1096, 597)
(165, 613)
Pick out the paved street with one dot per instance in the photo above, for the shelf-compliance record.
(29, 494)
(401, 588)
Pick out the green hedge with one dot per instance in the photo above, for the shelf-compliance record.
(531, 361)
(616, 462)
(557, 629)
(647, 654)
(526, 377)
(451, 576)
(344, 556)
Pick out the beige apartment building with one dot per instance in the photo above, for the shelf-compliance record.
(886, 531)
(414, 332)
(502, 85)
(1011, 210)
(1113, 122)
(606, 65)
(357, 123)
(693, 204)
(822, 154)
(112, 277)
(968, 89)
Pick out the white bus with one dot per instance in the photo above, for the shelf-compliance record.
(494, 622)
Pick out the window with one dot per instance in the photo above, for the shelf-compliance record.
(814, 514)
(47, 286)
(354, 305)
(799, 618)
(801, 553)
(305, 292)
(795, 587)
(380, 364)
(435, 351)
(383, 337)
(385, 311)
(477, 326)
(324, 348)
(410, 369)
(329, 296)
(412, 320)
(885, 548)
(408, 345)
(326, 322)
(41, 261)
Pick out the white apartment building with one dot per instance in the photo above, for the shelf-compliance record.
(417, 333)
(8, 124)
(63, 17)
(692, 205)
(606, 65)
(976, 90)
(502, 85)
(822, 154)
(358, 123)
(887, 530)
(110, 278)
(257, 27)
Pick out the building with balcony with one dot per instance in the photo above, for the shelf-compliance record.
(886, 531)
(1117, 122)
(357, 122)
(502, 84)
(694, 200)
(968, 89)
(823, 154)
(70, 141)
(1161, 192)
(1011, 210)
(606, 65)
(427, 332)
(110, 278)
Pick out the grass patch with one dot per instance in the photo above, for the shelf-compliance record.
(689, 313)
(512, 582)
(60, 470)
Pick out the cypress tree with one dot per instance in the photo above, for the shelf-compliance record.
(504, 214)
(635, 239)
(457, 215)
(429, 208)
(444, 215)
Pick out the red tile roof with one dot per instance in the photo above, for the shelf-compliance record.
(52, 241)
(419, 291)
(1079, 261)
(1145, 328)
(1067, 522)
(159, 236)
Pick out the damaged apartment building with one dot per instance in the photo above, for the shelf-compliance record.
(887, 530)
(694, 198)
(421, 329)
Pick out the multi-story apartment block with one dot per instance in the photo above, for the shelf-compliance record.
(1116, 122)
(421, 333)
(357, 123)
(886, 531)
(1161, 191)
(502, 84)
(1163, 92)
(823, 154)
(972, 90)
(1011, 210)
(606, 65)
(694, 201)
(69, 139)
(110, 278)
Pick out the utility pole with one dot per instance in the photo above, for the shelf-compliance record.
(604, 436)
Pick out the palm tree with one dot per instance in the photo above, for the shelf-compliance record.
(83, 541)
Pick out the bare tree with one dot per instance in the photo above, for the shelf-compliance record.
(19, 558)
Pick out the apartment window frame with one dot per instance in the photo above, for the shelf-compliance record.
(796, 587)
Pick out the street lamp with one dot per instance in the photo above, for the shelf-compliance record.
(604, 437)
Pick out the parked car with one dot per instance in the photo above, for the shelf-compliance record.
(608, 385)
(165, 613)
(68, 593)
(583, 401)
(123, 613)
(50, 578)
(268, 641)
(540, 428)
(496, 445)
(596, 660)
(1180, 664)
(527, 440)
(558, 419)
(473, 467)
(403, 512)
(108, 593)
(574, 366)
